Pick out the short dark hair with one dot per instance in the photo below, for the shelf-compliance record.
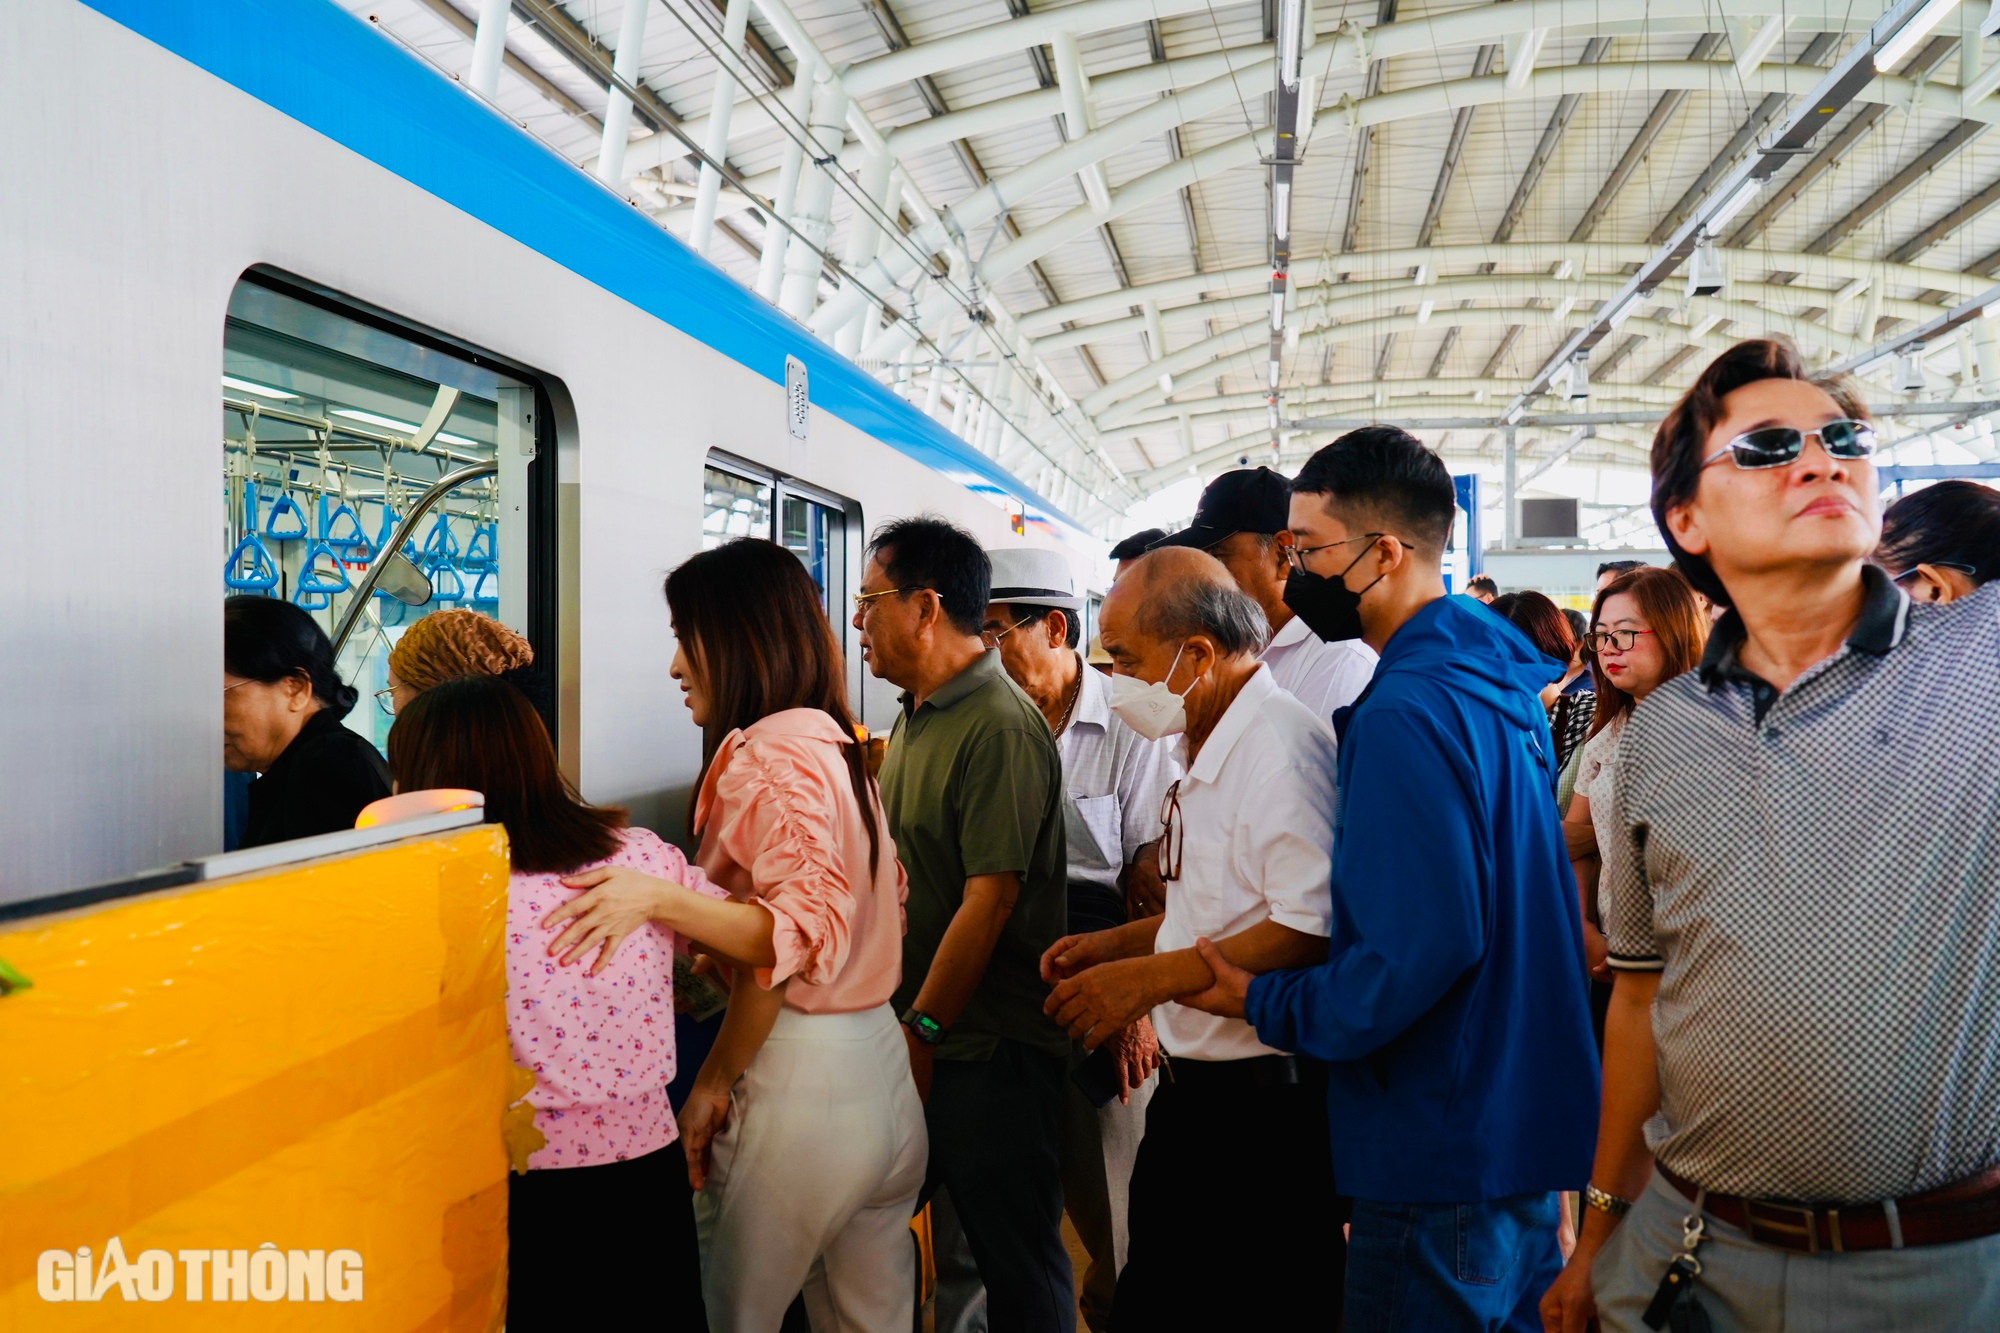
(482, 734)
(1035, 615)
(267, 640)
(1619, 566)
(1134, 546)
(929, 552)
(1579, 623)
(1387, 473)
(1681, 442)
(1541, 620)
(1953, 522)
(1482, 583)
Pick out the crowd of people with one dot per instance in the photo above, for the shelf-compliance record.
(1350, 954)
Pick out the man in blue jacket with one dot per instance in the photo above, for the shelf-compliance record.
(1452, 1005)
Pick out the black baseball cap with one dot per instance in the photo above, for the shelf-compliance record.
(1247, 500)
(1135, 545)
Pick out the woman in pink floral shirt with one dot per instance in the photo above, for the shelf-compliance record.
(608, 1190)
(803, 1131)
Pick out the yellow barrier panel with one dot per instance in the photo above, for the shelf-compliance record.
(270, 1102)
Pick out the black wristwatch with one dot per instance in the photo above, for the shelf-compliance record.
(927, 1029)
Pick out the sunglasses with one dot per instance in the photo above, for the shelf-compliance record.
(1775, 446)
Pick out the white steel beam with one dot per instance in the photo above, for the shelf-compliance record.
(722, 106)
(618, 115)
(489, 44)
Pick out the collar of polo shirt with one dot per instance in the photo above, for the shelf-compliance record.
(1885, 614)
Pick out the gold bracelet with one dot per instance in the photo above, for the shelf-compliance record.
(1606, 1203)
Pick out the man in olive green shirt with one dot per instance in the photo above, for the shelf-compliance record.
(972, 787)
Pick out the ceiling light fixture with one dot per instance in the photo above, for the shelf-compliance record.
(251, 386)
(1291, 37)
(1733, 205)
(1909, 376)
(406, 427)
(1907, 36)
(1579, 376)
(1705, 275)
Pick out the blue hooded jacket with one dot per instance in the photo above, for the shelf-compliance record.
(1453, 1004)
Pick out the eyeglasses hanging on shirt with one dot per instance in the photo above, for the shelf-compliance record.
(1169, 845)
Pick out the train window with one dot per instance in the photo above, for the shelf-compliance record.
(743, 500)
(375, 473)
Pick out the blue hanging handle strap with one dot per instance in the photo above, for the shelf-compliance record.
(440, 548)
(482, 553)
(262, 574)
(353, 544)
(480, 592)
(313, 580)
(284, 507)
(446, 585)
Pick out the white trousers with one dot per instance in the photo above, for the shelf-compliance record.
(814, 1179)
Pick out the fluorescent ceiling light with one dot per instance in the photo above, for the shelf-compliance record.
(1733, 205)
(403, 427)
(251, 386)
(1907, 36)
(1281, 211)
(1291, 37)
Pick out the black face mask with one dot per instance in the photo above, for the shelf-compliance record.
(1328, 606)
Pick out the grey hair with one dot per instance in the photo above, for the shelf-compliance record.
(1179, 608)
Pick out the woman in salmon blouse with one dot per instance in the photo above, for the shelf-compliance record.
(803, 1132)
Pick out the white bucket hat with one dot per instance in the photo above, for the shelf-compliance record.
(1028, 576)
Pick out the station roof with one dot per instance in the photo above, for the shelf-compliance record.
(1083, 218)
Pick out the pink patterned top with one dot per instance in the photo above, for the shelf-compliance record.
(602, 1047)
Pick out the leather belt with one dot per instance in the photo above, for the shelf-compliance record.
(1963, 1210)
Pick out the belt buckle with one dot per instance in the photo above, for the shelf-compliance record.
(1807, 1226)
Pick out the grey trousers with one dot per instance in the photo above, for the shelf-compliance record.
(1099, 1146)
(1749, 1288)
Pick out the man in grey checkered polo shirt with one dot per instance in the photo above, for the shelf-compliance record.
(1802, 1058)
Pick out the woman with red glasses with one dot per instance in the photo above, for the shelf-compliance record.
(1647, 628)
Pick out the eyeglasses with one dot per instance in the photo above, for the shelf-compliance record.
(387, 700)
(1917, 568)
(991, 637)
(1775, 446)
(1618, 640)
(862, 599)
(241, 683)
(1170, 834)
(1296, 555)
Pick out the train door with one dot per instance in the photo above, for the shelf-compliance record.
(375, 472)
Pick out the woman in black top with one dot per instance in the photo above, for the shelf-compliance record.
(281, 711)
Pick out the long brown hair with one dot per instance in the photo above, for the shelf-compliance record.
(753, 625)
(481, 733)
(1673, 614)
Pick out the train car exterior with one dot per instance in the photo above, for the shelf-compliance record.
(288, 139)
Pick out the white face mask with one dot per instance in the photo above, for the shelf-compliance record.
(1152, 709)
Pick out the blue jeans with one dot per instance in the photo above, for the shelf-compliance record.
(1441, 1267)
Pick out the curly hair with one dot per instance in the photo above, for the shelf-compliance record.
(446, 645)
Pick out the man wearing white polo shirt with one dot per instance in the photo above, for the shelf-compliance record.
(1244, 520)
(1246, 853)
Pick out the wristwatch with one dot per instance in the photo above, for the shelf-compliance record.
(1606, 1202)
(927, 1029)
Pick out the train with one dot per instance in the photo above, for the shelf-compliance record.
(266, 217)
